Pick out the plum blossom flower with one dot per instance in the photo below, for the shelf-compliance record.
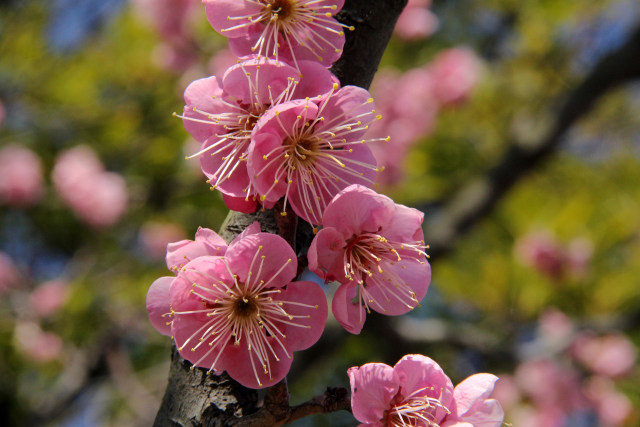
(97, 197)
(290, 30)
(48, 297)
(20, 176)
(221, 113)
(240, 312)
(375, 249)
(308, 150)
(456, 72)
(612, 355)
(416, 21)
(417, 392)
(207, 243)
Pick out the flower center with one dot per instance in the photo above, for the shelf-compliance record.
(245, 307)
(418, 409)
(301, 151)
(278, 10)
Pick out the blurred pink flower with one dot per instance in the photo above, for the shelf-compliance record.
(408, 112)
(290, 30)
(221, 61)
(612, 355)
(506, 391)
(241, 313)
(533, 416)
(548, 384)
(375, 249)
(97, 197)
(9, 275)
(416, 21)
(37, 345)
(48, 298)
(613, 408)
(555, 328)
(455, 73)
(155, 236)
(20, 176)
(416, 392)
(308, 150)
(541, 251)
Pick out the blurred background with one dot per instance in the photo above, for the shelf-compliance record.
(532, 203)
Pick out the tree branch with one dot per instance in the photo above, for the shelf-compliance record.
(194, 398)
(474, 201)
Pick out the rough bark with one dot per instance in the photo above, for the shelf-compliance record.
(192, 397)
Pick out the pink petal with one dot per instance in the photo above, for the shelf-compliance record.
(218, 12)
(243, 366)
(349, 314)
(373, 387)
(186, 331)
(240, 204)
(316, 80)
(472, 403)
(233, 184)
(348, 101)
(254, 228)
(309, 293)
(405, 225)
(207, 242)
(278, 267)
(356, 209)
(326, 255)
(158, 304)
(268, 79)
(417, 276)
(416, 372)
(200, 94)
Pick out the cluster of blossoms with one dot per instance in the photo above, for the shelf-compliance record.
(569, 375)
(411, 102)
(277, 127)
(97, 197)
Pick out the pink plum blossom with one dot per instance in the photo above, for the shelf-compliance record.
(455, 72)
(613, 407)
(20, 176)
(36, 344)
(612, 355)
(548, 384)
(290, 30)
(97, 197)
(416, 21)
(375, 249)
(221, 113)
(540, 251)
(416, 392)
(155, 236)
(48, 297)
(308, 150)
(240, 312)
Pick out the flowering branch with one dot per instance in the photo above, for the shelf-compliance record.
(195, 398)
